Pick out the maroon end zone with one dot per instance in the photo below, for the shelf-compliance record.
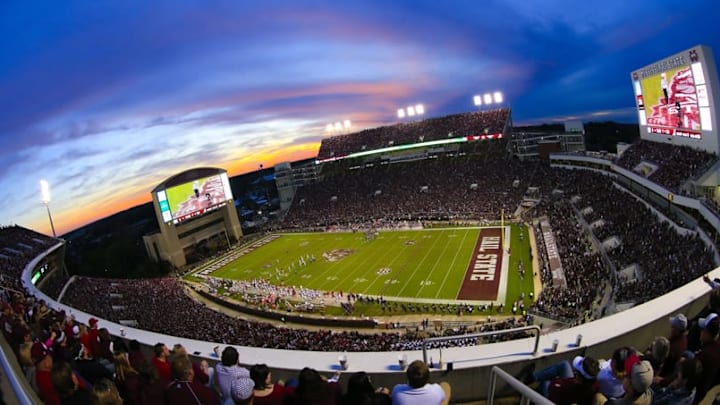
(482, 278)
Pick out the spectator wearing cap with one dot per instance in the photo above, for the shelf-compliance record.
(683, 388)
(161, 361)
(90, 339)
(564, 383)
(678, 344)
(43, 374)
(227, 371)
(709, 353)
(637, 381)
(183, 390)
(242, 390)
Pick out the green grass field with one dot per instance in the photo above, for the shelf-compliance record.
(422, 265)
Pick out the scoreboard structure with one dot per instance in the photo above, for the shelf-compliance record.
(191, 207)
(676, 99)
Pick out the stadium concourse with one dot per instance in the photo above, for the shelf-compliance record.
(600, 227)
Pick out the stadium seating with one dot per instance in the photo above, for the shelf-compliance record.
(458, 125)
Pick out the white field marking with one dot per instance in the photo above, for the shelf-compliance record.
(452, 265)
(418, 266)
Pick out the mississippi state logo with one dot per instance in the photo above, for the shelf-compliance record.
(693, 56)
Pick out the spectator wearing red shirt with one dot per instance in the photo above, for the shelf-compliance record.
(264, 391)
(43, 374)
(161, 362)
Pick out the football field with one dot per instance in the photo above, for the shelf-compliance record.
(431, 265)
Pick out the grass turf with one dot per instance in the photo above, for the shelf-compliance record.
(423, 265)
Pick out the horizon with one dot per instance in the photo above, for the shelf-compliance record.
(105, 102)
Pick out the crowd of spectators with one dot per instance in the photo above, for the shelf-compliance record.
(675, 164)
(440, 189)
(681, 367)
(451, 126)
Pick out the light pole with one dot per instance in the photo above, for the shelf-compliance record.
(45, 194)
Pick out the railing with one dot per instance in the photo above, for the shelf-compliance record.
(18, 383)
(482, 334)
(527, 394)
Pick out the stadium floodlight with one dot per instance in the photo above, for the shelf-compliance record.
(487, 98)
(477, 100)
(497, 97)
(338, 127)
(411, 111)
(45, 196)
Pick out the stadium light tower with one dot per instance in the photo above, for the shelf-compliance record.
(488, 99)
(411, 111)
(338, 127)
(45, 194)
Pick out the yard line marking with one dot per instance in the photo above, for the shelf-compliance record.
(407, 282)
(452, 265)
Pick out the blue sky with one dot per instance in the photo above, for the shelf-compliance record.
(105, 100)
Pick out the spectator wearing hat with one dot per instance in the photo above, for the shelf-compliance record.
(564, 383)
(683, 388)
(709, 353)
(678, 344)
(637, 381)
(242, 390)
(183, 390)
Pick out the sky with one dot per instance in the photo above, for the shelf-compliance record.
(105, 100)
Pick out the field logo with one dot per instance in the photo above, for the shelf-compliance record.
(383, 271)
(337, 254)
(482, 277)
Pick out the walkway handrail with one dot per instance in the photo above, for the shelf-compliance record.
(481, 334)
(528, 394)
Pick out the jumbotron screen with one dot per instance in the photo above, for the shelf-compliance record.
(673, 95)
(195, 198)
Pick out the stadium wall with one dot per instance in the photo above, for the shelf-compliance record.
(471, 365)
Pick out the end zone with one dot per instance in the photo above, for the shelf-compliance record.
(486, 275)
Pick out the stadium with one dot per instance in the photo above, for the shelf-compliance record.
(452, 240)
